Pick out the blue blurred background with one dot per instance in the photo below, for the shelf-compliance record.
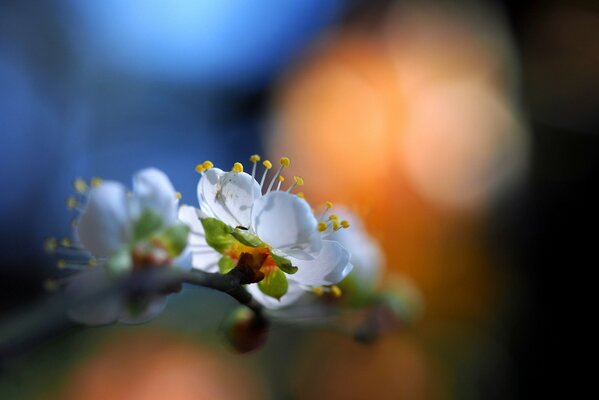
(477, 123)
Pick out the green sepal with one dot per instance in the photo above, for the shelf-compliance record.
(146, 225)
(218, 234)
(226, 264)
(284, 264)
(274, 284)
(120, 262)
(246, 238)
(174, 239)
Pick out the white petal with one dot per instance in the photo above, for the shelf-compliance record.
(151, 311)
(101, 311)
(294, 292)
(229, 195)
(153, 190)
(329, 268)
(203, 257)
(206, 259)
(184, 260)
(104, 226)
(286, 222)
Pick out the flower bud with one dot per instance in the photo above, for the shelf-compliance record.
(245, 331)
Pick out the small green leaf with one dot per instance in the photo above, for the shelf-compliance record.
(218, 234)
(174, 239)
(274, 284)
(226, 264)
(246, 238)
(284, 264)
(146, 225)
(120, 262)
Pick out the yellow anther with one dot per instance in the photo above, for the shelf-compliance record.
(178, 195)
(329, 204)
(345, 224)
(61, 264)
(336, 225)
(281, 178)
(336, 291)
(65, 242)
(334, 217)
(322, 226)
(50, 244)
(285, 162)
(254, 158)
(80, 185)
(301, 195)
(92, 262)
(298, 180)
(267, 164)
(200, 168)
(71, 202)
(237, 167)
(96, 181)
(318, 291)
(207, 164)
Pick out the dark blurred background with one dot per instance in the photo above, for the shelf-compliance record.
(465, 134)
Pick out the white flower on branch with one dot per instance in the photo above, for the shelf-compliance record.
(274, 231)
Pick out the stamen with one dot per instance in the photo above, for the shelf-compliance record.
(301, 195)
(178, 195)
(96, 181)
(336, 291)
(328, 206)
(322, 226)
(80, 185)
(333, 217)
(254, 158)
(336, 225)
(298, 182)
(50, 244)
(285, 162)
(319, 291)
(200, 168)
(344, 224)
(268, 165)
(237, 167)
(281, 180)
(66, 242)
(51, 285)
(207, 164)
(71, 202)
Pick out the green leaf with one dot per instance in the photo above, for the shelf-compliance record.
(226, 264)
(246, 238)
(174, 239)
(120, 262)
(146, 225)
(284, 264)
(274, 284)
(218, 234)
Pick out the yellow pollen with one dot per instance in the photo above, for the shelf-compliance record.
(92, 262)
(333, 217)
(329, 204)
(207, 164)
(65, 242)
(336, 291)
(298, 180)
(318, 291)
(285, 162)
(80, 185)
(50, 285)
(178, 195)
(301, 195)
(267, 164)
(322, 226)
(71, 202)
(237, 167)
(254, 158)
(200, 168)
(50, 244)
(281, 178)
(345, 224)
(336, 225)
(96, 181)
(61, 264)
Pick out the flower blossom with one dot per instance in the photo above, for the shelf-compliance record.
(243, 220)
(126, 232)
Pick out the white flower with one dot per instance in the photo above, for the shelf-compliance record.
(286, 235)
(125, 232)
